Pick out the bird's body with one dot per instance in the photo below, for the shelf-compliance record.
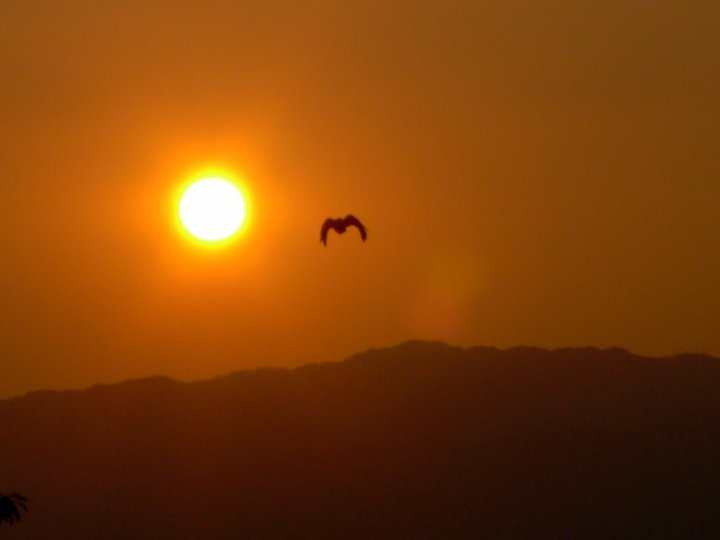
(340, 225)
(9, 507)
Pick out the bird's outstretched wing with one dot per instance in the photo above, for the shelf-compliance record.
(326, 226)
(9, 507)
(352, 220)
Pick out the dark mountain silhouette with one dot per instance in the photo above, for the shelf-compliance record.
(422, 440)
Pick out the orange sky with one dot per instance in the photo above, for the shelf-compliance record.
(538, 173)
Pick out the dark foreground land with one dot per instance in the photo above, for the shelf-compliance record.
(418, 441)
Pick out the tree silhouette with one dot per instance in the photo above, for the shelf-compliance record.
(9, 507)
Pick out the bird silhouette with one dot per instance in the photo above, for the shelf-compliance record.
(340, 225)
(9, 507)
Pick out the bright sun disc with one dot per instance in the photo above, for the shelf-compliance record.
(212, 209)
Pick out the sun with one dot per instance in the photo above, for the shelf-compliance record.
(212, 209)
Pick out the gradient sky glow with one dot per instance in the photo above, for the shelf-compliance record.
(530, 173)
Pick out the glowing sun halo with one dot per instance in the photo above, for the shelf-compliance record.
(212, 209)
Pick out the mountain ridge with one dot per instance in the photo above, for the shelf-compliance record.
(408, 346)
(421, 440)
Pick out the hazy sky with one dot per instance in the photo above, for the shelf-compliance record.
(531, 173)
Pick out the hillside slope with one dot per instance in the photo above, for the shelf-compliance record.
(422, 440)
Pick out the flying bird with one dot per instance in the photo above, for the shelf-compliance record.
(340, 225)
(9, 507)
